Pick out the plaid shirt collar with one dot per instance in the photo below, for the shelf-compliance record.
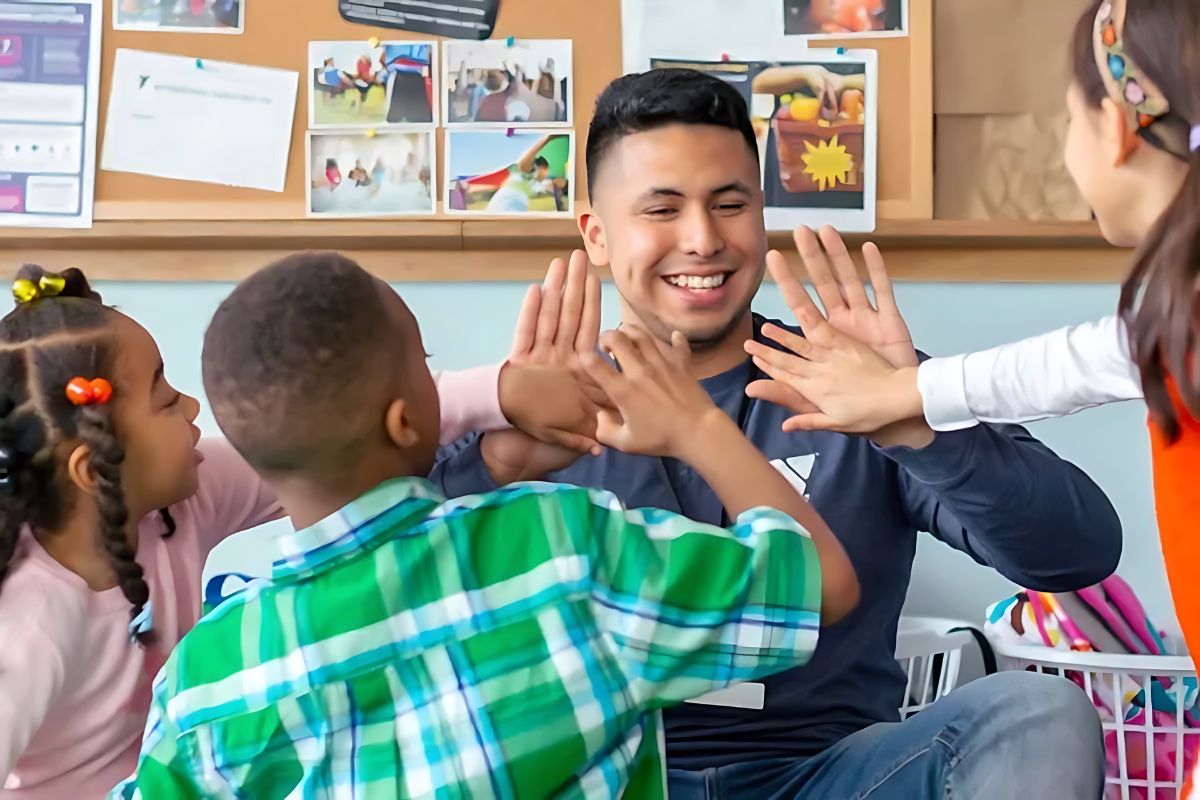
(398, 503)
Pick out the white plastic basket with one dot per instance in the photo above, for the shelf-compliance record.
(929, 651)
(1133, 771)
(927, 648)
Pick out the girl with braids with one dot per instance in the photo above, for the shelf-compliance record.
(110, 504)
(98, 581)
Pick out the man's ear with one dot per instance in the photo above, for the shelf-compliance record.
(398, 426)
(1121, 139)
(594, 239)
(80, 471)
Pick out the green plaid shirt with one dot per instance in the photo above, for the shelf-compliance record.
(517, 644)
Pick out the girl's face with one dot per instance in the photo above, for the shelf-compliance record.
(155, 423)
(1096, 156)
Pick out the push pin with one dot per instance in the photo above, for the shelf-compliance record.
(841, 51)
(724, 57)
(370, 134)
(373, 42)
(511, 41)
(199, 64)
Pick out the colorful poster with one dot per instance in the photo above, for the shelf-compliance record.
(815, 124)
(198, 120)
(845, 19)
(359, 84)
(49, 82)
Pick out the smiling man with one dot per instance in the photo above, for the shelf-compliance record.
(677, 215)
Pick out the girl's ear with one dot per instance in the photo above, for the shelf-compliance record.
(1120, 138)
(79, 469)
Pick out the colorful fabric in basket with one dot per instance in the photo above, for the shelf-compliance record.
(1109, 618)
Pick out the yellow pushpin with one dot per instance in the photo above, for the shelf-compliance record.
(373, 41)
(370, 134)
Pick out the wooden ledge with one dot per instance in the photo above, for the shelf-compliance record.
(518, 250)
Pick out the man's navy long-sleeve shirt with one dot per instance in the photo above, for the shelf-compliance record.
(995, 493)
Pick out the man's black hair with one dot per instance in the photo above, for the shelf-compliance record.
(648, 100)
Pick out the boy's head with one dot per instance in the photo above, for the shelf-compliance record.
(541, 168)
(315, 371)
(676, 203)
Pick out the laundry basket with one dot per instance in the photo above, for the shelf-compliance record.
(1144, 753)
(929, 650)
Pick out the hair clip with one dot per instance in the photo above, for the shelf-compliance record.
(142, 623)
(8, 466)
(50, 284)
(82, 392)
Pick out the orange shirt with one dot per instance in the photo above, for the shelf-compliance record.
(1177, 501)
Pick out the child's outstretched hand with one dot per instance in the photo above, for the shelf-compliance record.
(660, 408)
(832, 379)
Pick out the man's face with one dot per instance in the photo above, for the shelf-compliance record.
(678, 218)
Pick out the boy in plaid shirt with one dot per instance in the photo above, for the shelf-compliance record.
(515, 644)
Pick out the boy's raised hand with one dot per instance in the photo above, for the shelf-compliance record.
(660, 408)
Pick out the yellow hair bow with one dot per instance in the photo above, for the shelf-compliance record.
(49, 285)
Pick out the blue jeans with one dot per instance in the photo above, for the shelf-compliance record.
(1013, 735)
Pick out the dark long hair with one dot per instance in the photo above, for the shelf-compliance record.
(45, 343)
(1159, 298)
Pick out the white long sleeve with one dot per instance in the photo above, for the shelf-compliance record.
(1051, 375)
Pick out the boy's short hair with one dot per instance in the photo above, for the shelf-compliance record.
(541, 161)
(648, 100)
(294, 360)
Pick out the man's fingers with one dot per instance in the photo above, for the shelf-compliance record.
(849, 283)
(527, 321)
(819, 271)
(588, 336)
(552, 289)
(881, 282)
(780, 394)
(571, 311)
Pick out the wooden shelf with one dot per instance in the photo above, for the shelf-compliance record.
(507, 250)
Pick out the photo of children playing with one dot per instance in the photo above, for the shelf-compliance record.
(490, 82)
(215, 16)
(381, 175)
(355, 84)
(534, 176)
(842, 17)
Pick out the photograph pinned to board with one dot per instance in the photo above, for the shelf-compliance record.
(815, 123)
(353, 174)
(453, 19)
(209, 121)
(179, 16)
(509, 83)
(50, 55)
(371, 84)
(844, 19)
(519, 173)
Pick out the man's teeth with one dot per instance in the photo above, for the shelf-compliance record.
(696, 281)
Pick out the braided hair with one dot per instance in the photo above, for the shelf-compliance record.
(44, 343)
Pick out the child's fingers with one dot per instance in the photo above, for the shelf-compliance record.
(777, 360)
(649, 350)
(552, 288)
(780, 394)
(527, 320)
(681, 351)
(797, 344)
(811, 422)
(610, 429)
(603, 374)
